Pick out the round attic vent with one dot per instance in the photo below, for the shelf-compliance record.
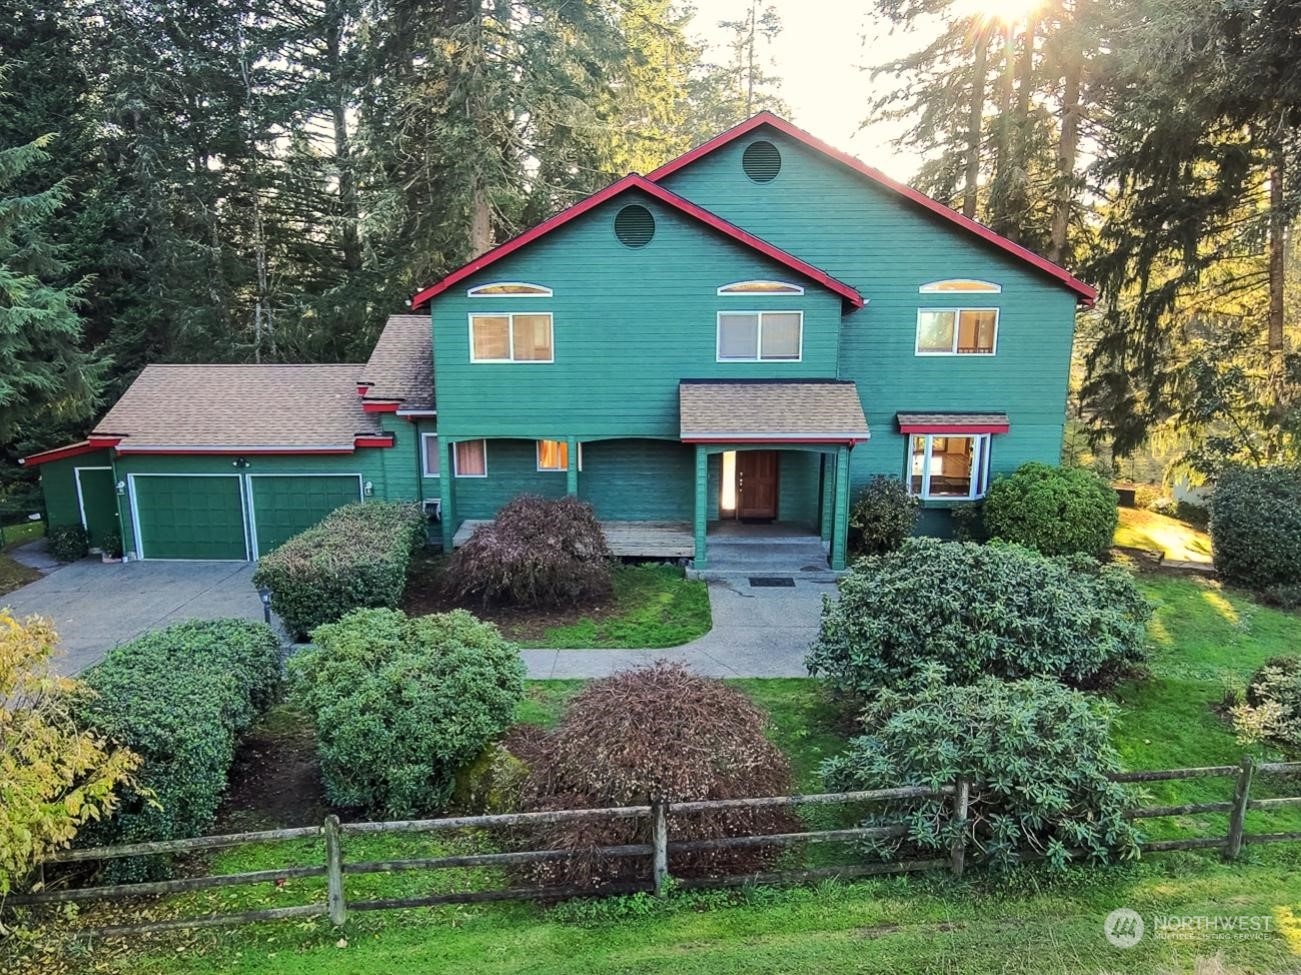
(634, 225)
(761, 161)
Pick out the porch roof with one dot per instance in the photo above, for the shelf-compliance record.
(771, 411)
(953, 422)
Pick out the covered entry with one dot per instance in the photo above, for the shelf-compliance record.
(753, 425)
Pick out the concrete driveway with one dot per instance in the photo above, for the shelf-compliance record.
(95, 606)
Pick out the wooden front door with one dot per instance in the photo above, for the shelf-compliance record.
(756, 484)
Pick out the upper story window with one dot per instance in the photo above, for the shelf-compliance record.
(753, 336)
(760, 288)
(960, 286)
(957, 331)
(511, 338)
(509, 289)
(948, 467)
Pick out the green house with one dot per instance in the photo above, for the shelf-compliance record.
(717, 353)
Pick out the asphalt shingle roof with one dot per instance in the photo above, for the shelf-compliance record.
(951, 419)
(300, 406)
(827, 410)
(401, 369)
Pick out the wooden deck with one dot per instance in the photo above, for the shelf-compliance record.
(629, 539)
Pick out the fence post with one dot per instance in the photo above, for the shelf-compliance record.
(334, 872)
(1238, 816)
(660, 841)
(958, 851)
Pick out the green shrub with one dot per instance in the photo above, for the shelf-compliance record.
(1256, 526)
(356, 557)
(68, 543)
(400, 705)
(536, 552)
(975, 610)
(1055, 510)
(111, 545)
(1037, 755)
(1272, 708)
(179, 698)
(883, 515)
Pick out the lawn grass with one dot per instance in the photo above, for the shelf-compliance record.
(1205, 639)
(1176, 540)
(653, 605)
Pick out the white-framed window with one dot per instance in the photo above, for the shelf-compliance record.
(553, 455)
(509, 289)
(431, 461)
(760, 288)
(948, 466)
(511, 337)
(966, 286)
(957, 331)
(470, 458)
(755, 336)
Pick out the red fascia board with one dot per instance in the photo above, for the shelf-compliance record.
(379, 406)
(232, 452)
(1087, 295)
(61, 453)
(386, 441)
(807, 441)
(667, 197)
(363, 389)
(954, 429)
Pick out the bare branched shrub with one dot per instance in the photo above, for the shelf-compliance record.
(656, 733)
(537, 552)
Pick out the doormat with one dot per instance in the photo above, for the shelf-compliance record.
(772, 582)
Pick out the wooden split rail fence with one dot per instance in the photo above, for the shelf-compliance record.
(335, 869)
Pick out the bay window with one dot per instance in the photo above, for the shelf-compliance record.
(948, 466)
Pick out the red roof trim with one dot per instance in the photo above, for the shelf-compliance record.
(232, 451)
(385, 441)
(61, 453)
(954, 429)
(668, 198)
(803, 441)
(1088, 295)
(379, 406)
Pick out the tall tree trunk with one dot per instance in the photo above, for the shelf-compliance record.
(1277, 238)
(341, 98)
(1002, 143)
(480, 223)
(263, 324)
(1019, 195)
(975, 124)
(1067, 145)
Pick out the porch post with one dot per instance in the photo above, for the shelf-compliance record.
(839, 539)
(571, 472)
(446, 494)
(702, 507)
(828, 503)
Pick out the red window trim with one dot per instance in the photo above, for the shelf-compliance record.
(954, 430)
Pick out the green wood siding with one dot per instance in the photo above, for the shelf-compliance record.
(628, 325)
(512, 471)
(888, 248)
(400, 469)
(59, 485)
(638, 480)
(285, 504)
(190, 517)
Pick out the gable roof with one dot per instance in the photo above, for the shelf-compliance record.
(235, 407)
(668, 198)
(401, 366)
(1087, 294)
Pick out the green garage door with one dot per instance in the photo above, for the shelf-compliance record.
(285, 504)
(190, 516)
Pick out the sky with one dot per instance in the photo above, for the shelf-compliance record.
(820, 56)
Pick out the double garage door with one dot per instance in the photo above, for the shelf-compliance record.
(230, 517)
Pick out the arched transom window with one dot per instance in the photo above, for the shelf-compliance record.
(509, 289)
(761, 288)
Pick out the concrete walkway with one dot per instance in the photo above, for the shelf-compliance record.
(95, 606)
(758, 632)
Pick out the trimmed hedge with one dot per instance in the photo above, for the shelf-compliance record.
(966, 611)
(1037, 754)
(401, 705)
(536, 552)
(179, 698)
(1054, 510)
(1256, 529)
(883, 515)
(356, 557)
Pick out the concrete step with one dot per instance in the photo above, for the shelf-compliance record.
(740, 580)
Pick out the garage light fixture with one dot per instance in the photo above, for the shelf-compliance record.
(369, 488)
(121, 487)
(240, 462)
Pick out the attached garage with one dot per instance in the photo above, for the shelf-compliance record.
(282, 505)
(189, 516)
